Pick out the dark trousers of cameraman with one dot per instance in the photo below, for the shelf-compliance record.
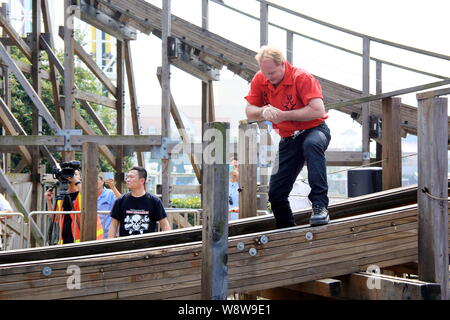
(67, 235)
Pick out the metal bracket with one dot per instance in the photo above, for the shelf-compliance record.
(68, 133)
(162, 152)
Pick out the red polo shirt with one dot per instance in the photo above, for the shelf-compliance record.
(295, 91)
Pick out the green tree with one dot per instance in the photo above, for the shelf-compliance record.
(21, 105)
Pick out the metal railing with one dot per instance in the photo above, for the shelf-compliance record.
(4, 216)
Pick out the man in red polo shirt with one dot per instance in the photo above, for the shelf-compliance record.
(292, 100)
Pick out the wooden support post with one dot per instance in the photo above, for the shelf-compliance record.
(392, 144)
(165, 100)
(69, 71)
(214, 284)
(6, 88)
(36, 188)
(264, 155)
(365, 114)
(290, 47)
(263, 23)
(205, 14)
(374, 286)
(89, 192)
(432, 193)
(247, 158)
(378, 90)
(120, 107)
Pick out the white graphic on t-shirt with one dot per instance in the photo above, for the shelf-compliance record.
(136, 223)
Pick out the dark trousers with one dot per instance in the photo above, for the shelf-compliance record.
(308, 146)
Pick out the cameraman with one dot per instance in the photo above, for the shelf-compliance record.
(69, 224)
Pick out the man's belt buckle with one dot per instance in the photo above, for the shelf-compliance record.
(297, 133)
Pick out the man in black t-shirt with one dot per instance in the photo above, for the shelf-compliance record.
(137, 211)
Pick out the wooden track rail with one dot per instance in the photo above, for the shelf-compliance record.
(344, 246)
(356, 206)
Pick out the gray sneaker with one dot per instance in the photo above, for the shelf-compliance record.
(319, 216)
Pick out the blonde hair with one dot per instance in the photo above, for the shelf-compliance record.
(270, 52)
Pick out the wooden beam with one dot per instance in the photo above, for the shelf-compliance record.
(37, 102)
(248, 163)
(433, 93)
(89, 192)
(214, 280)
(69, 67)
(133, 98)
(263, 23)
(374, 286)
(20, 43)
(120, 108)
(107, 23)
(165, 96)
(94, 98)
(323, 287)
(432, 139)
(48, 27)
(392, 144)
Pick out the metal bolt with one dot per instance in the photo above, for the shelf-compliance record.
(309, 236)
(47, 271)
(252, 252)
(240, 246)
(262, 240)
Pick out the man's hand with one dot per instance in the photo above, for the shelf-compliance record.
(273, 114)
(49, 195)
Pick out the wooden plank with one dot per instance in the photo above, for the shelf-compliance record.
(392, 144)
(373, 286)
(89, 192)
(247, 146)
(323, 287)
(215, 213)
(432, 94)
(94, 98)
(131, 140)
(433, 192)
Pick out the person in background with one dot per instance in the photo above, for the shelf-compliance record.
(137, 212)
(69, 224)
(105, 202)
(233, 191)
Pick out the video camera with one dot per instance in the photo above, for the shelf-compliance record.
(66, 170)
